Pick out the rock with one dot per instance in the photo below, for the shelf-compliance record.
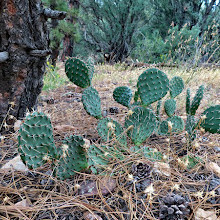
(105, 186)
(17, 125)
(16, 163)
(114, 110)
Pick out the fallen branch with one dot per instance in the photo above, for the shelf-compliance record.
(40, 53)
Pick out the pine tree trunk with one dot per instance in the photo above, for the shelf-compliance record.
(23, 49)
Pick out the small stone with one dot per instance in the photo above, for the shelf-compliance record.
(91, 216)
(114, 110)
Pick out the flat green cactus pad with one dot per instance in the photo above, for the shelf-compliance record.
(188, 102)
(152, 85)
(177, 125)
(35, 141)
(123, 95)
(109, 128)
(91, 102)
(212, 121)
(170, 107)
(176, 86)
(73, 157)
(77, 72)
(196, 100)
(143, 121)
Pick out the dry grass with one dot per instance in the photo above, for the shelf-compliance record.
(55, 199)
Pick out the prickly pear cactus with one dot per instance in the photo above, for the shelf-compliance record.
(196, 100)
(211, 122)
(98, 158)
(35, 141)
(152, 85)
(176, 86)
(143, 121)
(73, 157)
(190, 128)
(174, 124)
(92, 103)
(170, 107)
(109, 129)
(188, 102)
(77, 72)
(123, 95)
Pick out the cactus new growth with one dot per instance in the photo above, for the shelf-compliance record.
(92, 103)
(123, 95)
(196, 100)
(152, 85)
(91, 68)
(170, 107)
(109, 129)
(35, 141)
(188, 102)
(174, 124)
(78, 72)
(73, 157)
(176, 86)
(211, 119)
(143, 121)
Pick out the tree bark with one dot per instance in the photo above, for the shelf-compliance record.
(24, 39)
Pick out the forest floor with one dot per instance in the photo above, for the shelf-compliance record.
(37, 195)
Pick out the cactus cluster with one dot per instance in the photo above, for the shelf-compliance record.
(36, 144)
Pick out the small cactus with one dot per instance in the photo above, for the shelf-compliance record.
(143, 121)
(123, 95)
(196, 100)
(92, 103)
(78, 72)
(170, 107)
(152, 85)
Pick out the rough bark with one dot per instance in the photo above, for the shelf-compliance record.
(24, 36)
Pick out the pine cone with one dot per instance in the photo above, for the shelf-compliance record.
(141, 171)
(174, 207)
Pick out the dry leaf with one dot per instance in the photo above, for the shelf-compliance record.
(213, 167)
(105, 186)
(201, 214)
(23, 203)
(162, 168)
(64, 128)
(16, 163)
(89, 216)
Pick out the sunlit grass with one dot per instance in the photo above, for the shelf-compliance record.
(54, 78)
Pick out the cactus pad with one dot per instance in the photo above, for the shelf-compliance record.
(91, 102)
(35, 140)
(78, 72)
(196, 100)
(176, 86)
(212, 120)
(190, 127)
(144, 122)
(109, 128)
(170, 107)
(73, 157)
(123, 95)
(177, 125)
(188, 102)
(152, 85)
